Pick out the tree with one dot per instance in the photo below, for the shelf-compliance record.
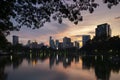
(111, 44)
(3, 42)
(34, 13)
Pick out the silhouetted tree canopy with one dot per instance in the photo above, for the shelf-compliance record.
(107, 44)
(34, 13)
(3, 42)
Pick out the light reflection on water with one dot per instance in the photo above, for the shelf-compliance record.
(59, 67)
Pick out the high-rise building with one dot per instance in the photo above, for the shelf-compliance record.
(76, 44)
(66, 42)
(15, 40)
(60, 46)
(85, 38)
(34, 44)
(51, 43)
(103, 31)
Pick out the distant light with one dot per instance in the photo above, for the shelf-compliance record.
(102, 57)
(111, 57)
(57, 57)
(95, 57)
(95, 50)
(67, 60)
(30, 55)
(110, 50)
(34, 63)
(11, 57)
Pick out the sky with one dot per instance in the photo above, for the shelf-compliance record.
(87, 27)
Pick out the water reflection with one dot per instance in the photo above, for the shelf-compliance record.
(102, 65)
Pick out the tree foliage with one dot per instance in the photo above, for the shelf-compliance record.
(4, 44)
(107, 44)
(34, 13)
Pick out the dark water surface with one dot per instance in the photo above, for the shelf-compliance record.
(59, 67)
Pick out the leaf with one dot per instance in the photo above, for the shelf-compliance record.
(60, 20)
(110, 5)
(105, 1)
(76, 22)
(91, 10)
(74, 0)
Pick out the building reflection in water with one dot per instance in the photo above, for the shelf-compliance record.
(102, 65)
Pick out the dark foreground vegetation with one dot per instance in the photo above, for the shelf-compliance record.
(109, 44)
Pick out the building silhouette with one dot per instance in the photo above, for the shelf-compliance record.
(76, 44)
(15, 40)
(34, 44)
(85, 38)
(103, 31)
(52, 43)
(67, 42)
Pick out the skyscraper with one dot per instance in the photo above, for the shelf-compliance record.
(51, 43)
(85, 38)
(103, 31)
(66, 42)
(76, 44)
(15, 40)
(34, 44)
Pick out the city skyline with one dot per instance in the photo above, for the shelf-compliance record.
(66, 43)
(101, 31)
(101, 15)
(59, 39)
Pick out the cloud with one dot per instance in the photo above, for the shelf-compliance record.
(79, 40)
(76, 36)
(91, 32)
(117, 17)
(60, 27)
(42, 34)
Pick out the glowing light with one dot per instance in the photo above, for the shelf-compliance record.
(34, 62)
(102, 57)
(57, 57)
(30, 56)
(95, 57)
(66, 59)
(11, 57)
(110, 50)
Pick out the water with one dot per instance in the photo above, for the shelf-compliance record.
(59, 67)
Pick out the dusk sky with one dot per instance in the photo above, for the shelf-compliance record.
(90, 21)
